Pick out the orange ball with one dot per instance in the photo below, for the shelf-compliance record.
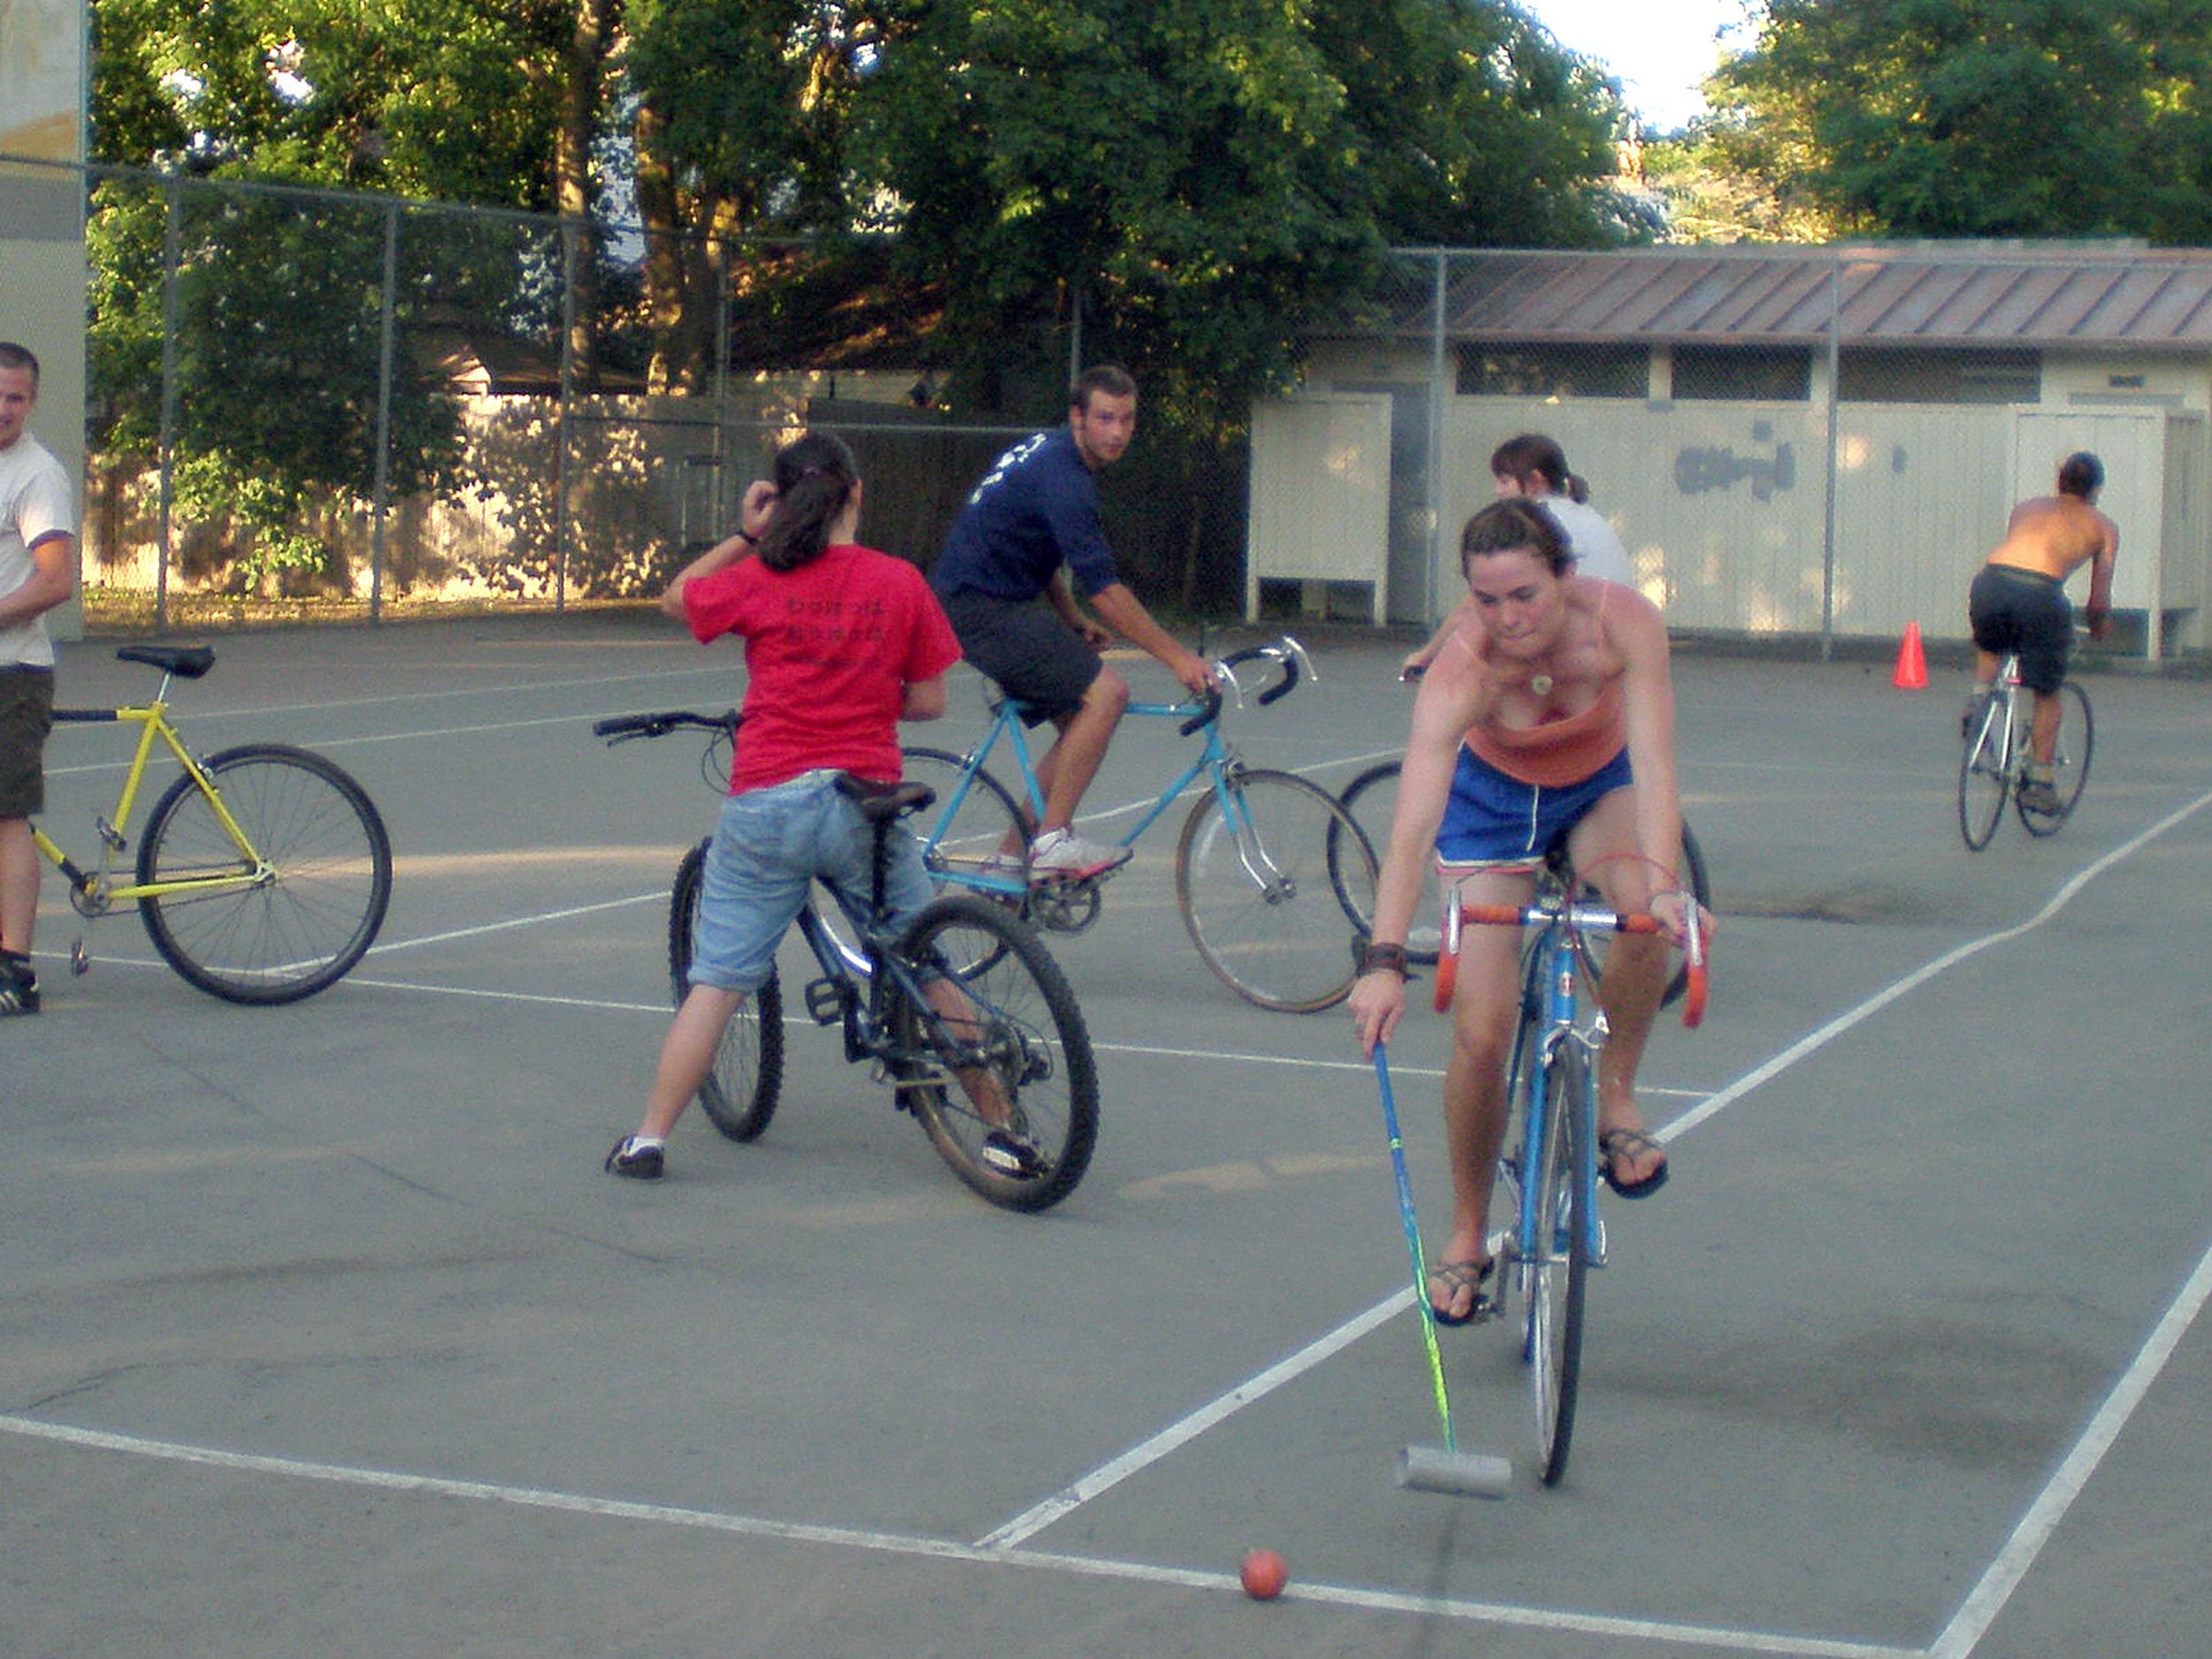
(1264, 1574)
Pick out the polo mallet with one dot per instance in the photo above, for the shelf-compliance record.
(1425, 1468)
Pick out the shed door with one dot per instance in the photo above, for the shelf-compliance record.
(1320, 502)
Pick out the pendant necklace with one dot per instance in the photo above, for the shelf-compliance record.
(1540, 684)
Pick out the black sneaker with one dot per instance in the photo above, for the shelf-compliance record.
(18, 987)
(1008, 1153)
(640, 1163)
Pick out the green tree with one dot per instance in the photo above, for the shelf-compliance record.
(278, 342)
(1983, 117)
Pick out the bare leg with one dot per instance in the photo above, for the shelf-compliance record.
(687, 1053)
(2050, 708)
(1635, 974)
(18, 885)
(982, 1086)
(1483, 1009)
(1066, 771)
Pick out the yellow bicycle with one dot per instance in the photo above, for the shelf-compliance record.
(265, 870)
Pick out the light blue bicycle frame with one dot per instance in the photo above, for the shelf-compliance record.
(1006, 722)
(1552, 990)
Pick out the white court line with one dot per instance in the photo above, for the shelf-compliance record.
(1138, 1458)
(1960, 1636)
(931, 1549)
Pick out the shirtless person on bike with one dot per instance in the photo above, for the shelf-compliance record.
(1548, 713)
(2018, 603)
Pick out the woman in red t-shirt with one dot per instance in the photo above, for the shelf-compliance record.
(841, 643)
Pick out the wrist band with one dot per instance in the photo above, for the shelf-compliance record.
(1386, 958)
(748, 538)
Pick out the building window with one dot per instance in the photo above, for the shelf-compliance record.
(1763, 375)
(1931, 376)
(1487, 371)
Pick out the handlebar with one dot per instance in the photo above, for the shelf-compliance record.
(620, 728)
(1596, 918)
(1286, 653)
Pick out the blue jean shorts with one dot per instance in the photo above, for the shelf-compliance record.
(1493, 819)
(768, 845)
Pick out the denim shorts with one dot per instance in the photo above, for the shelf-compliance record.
(768, 845)
(27, 714)
(1493, 819)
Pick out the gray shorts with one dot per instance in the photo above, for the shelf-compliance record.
(1026, 650)
(27, 714)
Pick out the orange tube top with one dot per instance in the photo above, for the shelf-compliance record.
(1562, 752)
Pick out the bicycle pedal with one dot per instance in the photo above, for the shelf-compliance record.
(80, 960)
(829, 999)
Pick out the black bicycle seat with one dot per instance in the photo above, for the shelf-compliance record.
(187, 661)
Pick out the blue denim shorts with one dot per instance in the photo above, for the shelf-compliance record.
(1493, 819)
(768, 845)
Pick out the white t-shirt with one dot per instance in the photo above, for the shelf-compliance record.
(34, 504)
(1597, 550)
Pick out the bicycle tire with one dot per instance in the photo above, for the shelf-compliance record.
(974, 838)
(1986, 768)
(741, 1089)
(1259, 898)
(303, 927)
(1033, 1044)
(2070, 762)
(1371, 800)
(1558, 1280)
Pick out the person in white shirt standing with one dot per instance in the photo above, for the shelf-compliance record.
(38, 570)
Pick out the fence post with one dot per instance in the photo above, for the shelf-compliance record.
(569, 239)
(1835, 453)
(382, 505)
(172, 252)
(1432, 607)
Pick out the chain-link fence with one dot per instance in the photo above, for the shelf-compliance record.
(1791, 442)
(313, 401)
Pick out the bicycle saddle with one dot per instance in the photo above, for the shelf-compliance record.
(880, 801)
(187, 661)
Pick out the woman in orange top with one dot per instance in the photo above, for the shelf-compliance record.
(1549, 712)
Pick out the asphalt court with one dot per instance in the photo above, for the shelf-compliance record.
(325, 1333)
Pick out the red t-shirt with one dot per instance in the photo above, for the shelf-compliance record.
(829, 650)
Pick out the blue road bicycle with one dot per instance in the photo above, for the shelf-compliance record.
(1272, 878)
(1551, 1165)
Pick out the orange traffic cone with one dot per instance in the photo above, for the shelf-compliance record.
(1912, 665)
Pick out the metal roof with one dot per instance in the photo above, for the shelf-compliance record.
(1957, 294)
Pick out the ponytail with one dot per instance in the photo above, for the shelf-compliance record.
(814, 479)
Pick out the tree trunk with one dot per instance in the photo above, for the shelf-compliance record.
(584, 64)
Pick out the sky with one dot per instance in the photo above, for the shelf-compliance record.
(1659, 49)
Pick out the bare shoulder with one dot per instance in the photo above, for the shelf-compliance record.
(1624, 617)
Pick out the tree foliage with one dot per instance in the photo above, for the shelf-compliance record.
(1982, 117)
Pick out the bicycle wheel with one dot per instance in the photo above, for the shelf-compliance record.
(1371, 800)
(2070, 762)
(742, 1086)
(1257, 894)
(317, 896)
(1985, 770)
(975, 837)
(1559, 1275)
(1017, 1037)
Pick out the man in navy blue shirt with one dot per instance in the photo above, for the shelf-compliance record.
(1032, 528)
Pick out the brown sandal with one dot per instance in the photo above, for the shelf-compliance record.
(1630, 1143)
(1456, 1277)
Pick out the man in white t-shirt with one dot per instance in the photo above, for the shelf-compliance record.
(38, 570)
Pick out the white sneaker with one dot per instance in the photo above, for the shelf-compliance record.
(1063, 855)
